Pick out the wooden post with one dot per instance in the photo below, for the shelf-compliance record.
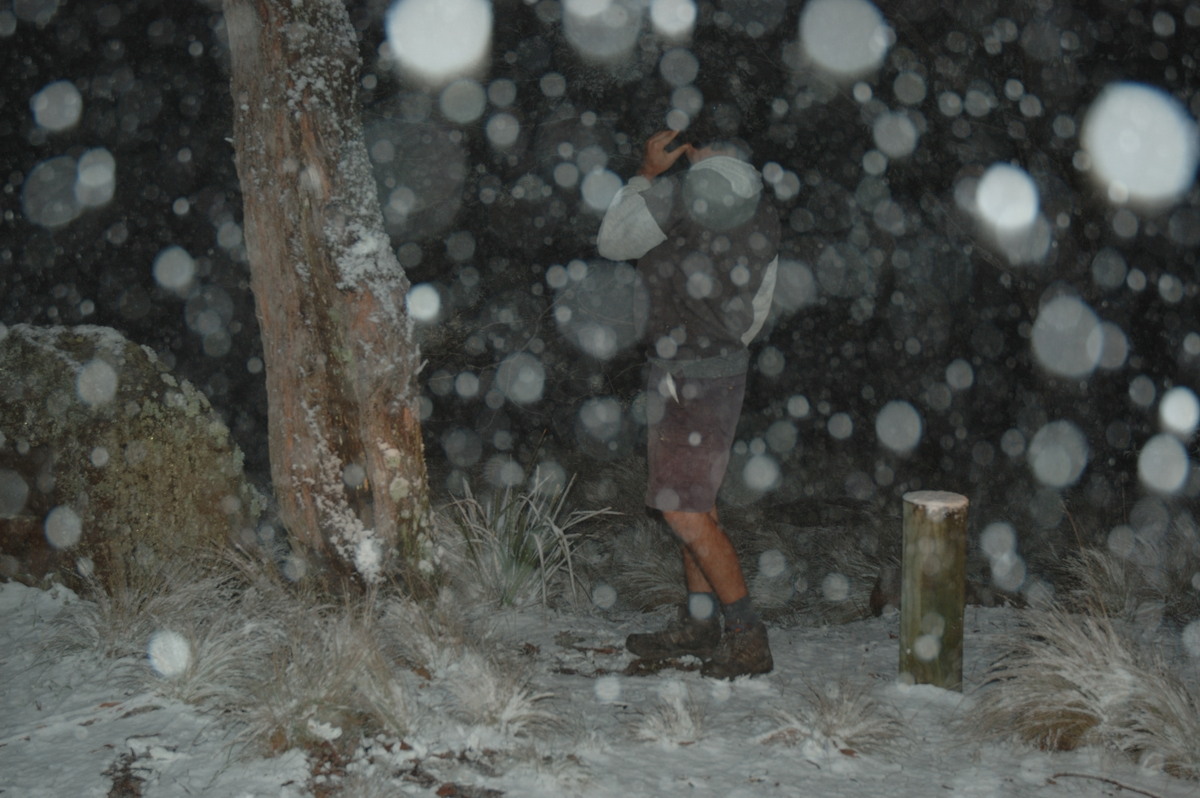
(933, 590)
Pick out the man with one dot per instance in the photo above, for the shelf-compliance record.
(706, 247)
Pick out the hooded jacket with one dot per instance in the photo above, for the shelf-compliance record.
(706, 248)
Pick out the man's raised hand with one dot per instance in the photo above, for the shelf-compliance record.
(657, 158)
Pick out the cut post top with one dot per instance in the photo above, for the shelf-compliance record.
(934, 500)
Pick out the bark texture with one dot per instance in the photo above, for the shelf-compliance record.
(345, 442)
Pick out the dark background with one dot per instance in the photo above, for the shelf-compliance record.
(154, 81)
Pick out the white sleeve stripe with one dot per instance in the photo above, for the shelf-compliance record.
(628, 230)
(762, 301)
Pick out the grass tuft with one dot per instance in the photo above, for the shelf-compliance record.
(1077, 680)
(518, 547)
(676, 719)
(841, 717)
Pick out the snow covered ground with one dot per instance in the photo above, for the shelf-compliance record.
(72, 726)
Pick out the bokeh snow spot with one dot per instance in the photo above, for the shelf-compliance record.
(1058, 454)
(57, 106)
(96, 383)
(835, 587)
(845, 37)
(898, 426)
(1007, 198)
(439, 40)
(170, 654)
(63, 527)
(48, 194)
(502, 130)
(673, 18)
(522, 378)
(462, 101)
(1142, 143)
(840, 426)
(602, 30)
(761, 473)
(601, 417)
(679, 67)
(1179, 412)
(772, 563)
(999, 543)
(604, 595)
(423, 302)
(174, 269)
(1067, 337)
(600, 307)
(598, 189)
(95, 178)
(1163, 464)
(1109, 269)
(14, 492)
(895, 135)
(960, 375)
(1191, 639)
(607, 689)
(926, 647)
(100, 457)
(1114, 346)
(782, 436)
(701, 605)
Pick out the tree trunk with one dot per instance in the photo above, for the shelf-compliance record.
(345, 441)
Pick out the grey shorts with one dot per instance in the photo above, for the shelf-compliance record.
(689, 437)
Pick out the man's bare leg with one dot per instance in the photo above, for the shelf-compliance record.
(710, 563)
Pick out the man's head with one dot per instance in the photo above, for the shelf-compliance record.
(714, 131)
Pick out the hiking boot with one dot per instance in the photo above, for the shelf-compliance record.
(687, 635)
(742, 652)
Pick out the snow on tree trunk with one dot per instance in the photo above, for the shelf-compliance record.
(345, 441)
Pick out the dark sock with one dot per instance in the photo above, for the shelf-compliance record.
(701, 606)
(740, 615)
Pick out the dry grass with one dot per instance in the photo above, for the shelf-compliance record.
(676, 719)
(841, 717)
(646, 569)
(327, 681)
(518, 547)
(1074, 680)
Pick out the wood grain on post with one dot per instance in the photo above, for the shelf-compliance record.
(933, 590)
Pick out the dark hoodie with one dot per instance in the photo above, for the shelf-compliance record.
(707, 253)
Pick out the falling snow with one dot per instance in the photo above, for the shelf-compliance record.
(987, 280)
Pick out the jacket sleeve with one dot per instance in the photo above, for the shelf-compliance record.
(629, 230)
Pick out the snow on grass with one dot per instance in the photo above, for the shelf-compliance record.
(288, 693)
(842, 717)
(1067, 681)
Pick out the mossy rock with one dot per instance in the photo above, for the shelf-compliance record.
(108, 463)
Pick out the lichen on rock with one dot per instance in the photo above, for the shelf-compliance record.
(140, 457)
